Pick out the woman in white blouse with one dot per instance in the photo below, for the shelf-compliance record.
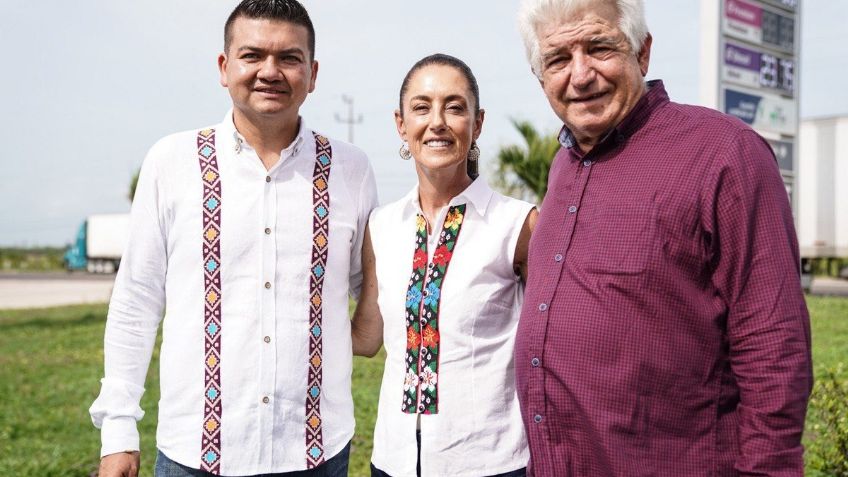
(443, 270)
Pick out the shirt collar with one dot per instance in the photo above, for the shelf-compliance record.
(653, 97)
(478, 194)
(239, 143)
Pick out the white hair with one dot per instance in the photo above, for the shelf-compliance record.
(535, 13)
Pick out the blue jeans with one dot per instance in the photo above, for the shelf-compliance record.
(335, 467)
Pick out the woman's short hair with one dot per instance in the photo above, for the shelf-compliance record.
(535, 13)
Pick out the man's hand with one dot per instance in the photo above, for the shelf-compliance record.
(122, 464)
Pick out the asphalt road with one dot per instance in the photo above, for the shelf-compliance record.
(829, 286)
(39, 290)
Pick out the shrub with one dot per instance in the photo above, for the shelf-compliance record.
(828, 448)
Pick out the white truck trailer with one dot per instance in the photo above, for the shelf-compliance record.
(823, 189)
(99, 244)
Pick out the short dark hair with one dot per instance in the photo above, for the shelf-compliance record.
(443, 60)
(280, 10)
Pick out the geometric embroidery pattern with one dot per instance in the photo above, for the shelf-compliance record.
(320, 246)
(423, 297)
(210, 457)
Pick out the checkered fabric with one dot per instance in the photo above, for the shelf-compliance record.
(664, 331)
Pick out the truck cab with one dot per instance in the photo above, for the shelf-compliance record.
(75, 257)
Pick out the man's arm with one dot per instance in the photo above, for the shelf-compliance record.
(367, 325)
(135, 310)
(367, 201)
(755, 253)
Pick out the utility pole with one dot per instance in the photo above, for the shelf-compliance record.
(350, 120)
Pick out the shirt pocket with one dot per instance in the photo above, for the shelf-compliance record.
(622, 239)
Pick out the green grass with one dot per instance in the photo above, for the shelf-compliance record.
(829, 319)
(50, 367)
(51, 361)
(367, 375)
(36, 259)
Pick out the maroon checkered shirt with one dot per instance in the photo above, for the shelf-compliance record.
(664, 331)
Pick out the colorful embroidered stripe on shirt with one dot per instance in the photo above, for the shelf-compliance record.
(210, 458)
(420, 387)
(320, 242)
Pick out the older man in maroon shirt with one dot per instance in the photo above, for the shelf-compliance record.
(664, 331)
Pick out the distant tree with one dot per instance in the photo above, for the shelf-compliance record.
(133, 184)
(523, 171)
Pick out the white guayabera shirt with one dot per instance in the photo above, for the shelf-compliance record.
(477, 430)
(266, 265)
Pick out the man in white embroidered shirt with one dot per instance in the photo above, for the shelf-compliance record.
(250, 232)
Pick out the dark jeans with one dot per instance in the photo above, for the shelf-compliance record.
(335, 467)
(375, 472)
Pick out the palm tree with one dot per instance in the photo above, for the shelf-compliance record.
(133, 184)
(523, 171)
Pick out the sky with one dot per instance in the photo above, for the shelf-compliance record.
(88, 86)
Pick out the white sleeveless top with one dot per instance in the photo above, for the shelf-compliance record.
(477, 430)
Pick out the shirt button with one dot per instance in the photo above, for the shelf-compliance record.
(265, 400)
(572, 209)
(543, 306)
(535, 362)
(267, 339)
(267, 231)
(587, 163)
(537, 418)
(558, 257)
(267, 178)
(267, 284)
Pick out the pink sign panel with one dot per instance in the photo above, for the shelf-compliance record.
(744, 12)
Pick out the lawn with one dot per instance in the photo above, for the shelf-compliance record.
(51, 362)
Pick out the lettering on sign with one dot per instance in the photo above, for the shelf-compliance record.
(744, 12)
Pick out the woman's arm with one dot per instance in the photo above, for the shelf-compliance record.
(367, 325)
(521, 248)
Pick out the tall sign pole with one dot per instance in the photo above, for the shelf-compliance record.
(749, 69)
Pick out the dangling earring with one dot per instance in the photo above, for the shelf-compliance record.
(471, 166)
(474, 152)
(404, 151)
